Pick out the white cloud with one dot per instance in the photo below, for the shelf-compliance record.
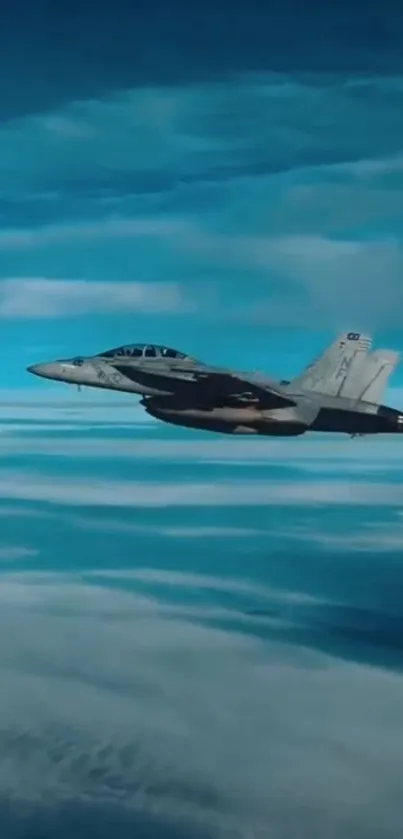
(59, 405)
(333, 275)
(32, 486)
(86, 592)
(45, 298)
(209, 532)
(57, 394)
(110, 525)
(371, 541)
(111, 227)
(217, 532)
(390, 164)
(65, 127)
(189, 580)
(108, 699)
(369, 537)
(321, 276)
(311, 454)
(349, 260)
(10, 553)
(57, 414)
(365, 536)
(37, 429)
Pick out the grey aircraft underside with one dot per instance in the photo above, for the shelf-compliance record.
(340, 391)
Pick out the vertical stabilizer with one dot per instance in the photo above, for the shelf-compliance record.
(328, 373)
(378, 368)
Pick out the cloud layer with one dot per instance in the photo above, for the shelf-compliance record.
(269, 200)
(205, 729)
(147, 138)
(202, 636)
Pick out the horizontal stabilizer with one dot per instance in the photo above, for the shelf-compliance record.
(326, 375)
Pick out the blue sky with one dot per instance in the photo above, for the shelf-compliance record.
(201, 635)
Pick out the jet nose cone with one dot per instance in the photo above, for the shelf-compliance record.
(35, 369)
(46, 370)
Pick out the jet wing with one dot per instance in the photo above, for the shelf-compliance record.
(238, 390)
(210, 388)
(235, 390)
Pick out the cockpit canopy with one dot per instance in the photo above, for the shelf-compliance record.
(143, 351)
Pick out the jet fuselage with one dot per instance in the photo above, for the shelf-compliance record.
(183, 391)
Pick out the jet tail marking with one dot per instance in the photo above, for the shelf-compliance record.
(327, 374)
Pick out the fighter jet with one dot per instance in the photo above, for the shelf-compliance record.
(340, 391)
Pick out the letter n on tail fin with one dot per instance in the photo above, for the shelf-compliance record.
(327, 373)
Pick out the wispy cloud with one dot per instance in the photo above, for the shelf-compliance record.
(329, 277)
(46, 298)
(76, 416)
(179, 131)
(100, 229)
(365, 536)
(119, 526)
(331, 274)
(189, 580)
(34, 410)
(32, 486)
(183, 532)
(346, 269)
(311, 454)
(10, 553)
